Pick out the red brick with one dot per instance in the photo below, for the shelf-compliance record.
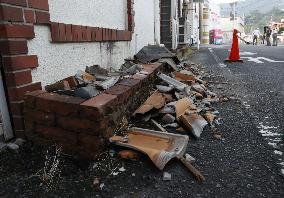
(91, 144)
(84, 33)
(54, 32)
(74, 33)
(16, 108)
(29, 16)
(61, 104)
(15, 2)
(13, 47)
(62, 32)
(42, 17)
(114, 35)
(18, 78)
(56, 134)
(99, 34)
(20, 134)
(102, 103)
(13, 14)
(122, 92)
(38, 117)
(139, 77)
(79, 33)
(71, 81)
(39, 4)
(68, 28)
(80, 124)
(30, 98)
(89, 34)
(29, 127)
(18, 123)
(20, 62)
(16, 31)
(130, 82)
(17, 93)
(150, 68)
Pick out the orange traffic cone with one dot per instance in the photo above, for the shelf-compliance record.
(235, 51)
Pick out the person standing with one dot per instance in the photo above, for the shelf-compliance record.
(268, 34)
(256, 34)
(274, 35)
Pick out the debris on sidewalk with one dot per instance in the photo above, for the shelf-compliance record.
(156, 101)
(161, 147)
(153, 53)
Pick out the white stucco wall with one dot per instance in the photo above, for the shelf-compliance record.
(100, 13)
(57, 61)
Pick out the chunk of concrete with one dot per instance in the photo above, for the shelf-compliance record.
(167, 176)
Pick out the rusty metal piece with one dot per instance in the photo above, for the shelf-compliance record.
(156, 101)
(161, 147)
(193, 123)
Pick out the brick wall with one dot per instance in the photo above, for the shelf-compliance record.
(17, 19)
(84, 126)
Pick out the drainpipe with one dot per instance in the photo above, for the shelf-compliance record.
(200, 23)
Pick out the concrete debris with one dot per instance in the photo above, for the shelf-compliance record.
(156, 101)
(133, 69)
(98, 72)
(170, 62)
(158, 126)
(161, 147)
(164, 89)
(96, 181)
(210, 117)
(168, 119)
(152, 53)
(84, 77)
(177, 84)
(193, 123)
(183, 105)
(189, 158)
(128, 154)
(167, 176)
(20, 142)
(172, 125)
(108, 83)
(184, 77)
(102, 185)
(198, 88)
(60, 85)
(122, 169)
(86, 92)
(12, 146)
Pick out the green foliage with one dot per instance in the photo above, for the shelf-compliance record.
(256, 19)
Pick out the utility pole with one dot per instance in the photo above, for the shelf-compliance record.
(200, 22)
(234, 13)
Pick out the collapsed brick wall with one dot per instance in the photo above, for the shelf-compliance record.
(83, 126)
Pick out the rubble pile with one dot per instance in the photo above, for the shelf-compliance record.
(179, 107)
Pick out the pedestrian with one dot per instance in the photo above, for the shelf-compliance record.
(256, 34)
(268, 34)
(274, 35)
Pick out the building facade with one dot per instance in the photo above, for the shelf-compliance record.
(43, 41)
